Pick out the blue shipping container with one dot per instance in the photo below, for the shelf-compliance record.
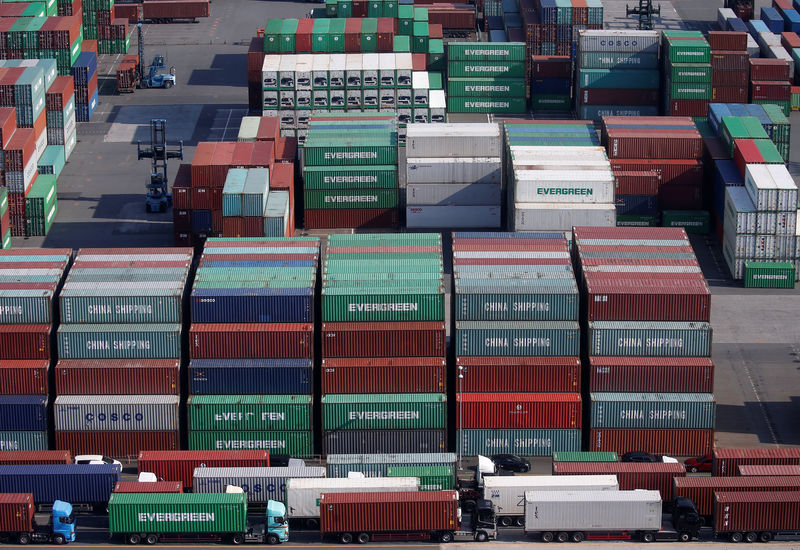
(253, 305)
(23, 413)
(791, 20)
(773, 19)
(252, 377)
(755, 26)
(84, 111)
(84, 68)
(737, 25)
(73, 483)
(726, 173)
(553, 86)
(636, 204)
(202, 221)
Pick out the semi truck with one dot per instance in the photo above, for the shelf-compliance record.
(757, 516)
(18, 522)
(260, 484)
(608, 515)
(388, 516)
(181, 517)
(303, 494)
(85, 486)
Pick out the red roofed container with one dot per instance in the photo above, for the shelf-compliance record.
(251, 341)
(651, 374)
(520, 374)
(764, 513)
(726, 461)
(769, 470)
(701, 489)
(384, 375)
(180, 465)
(399, 339)
(35, 457)
(117, 376)
(520, 410)
(656, 476)
(148, 487)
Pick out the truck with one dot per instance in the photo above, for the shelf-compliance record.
(180, 465)
(260, 484)
(180, 517)
(701, 489)
(303, 494)
(507, 493)
(85, 486)
(390, 516)
(608, 515)
(757, 516)
(18, 522)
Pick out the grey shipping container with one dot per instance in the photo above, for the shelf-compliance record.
(583, 511)
(126, 413)
(374, 465)
(649, 339)
(384, 441)
(260, 484)
(532, 338)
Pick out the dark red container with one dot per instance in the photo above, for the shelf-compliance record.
(23, 377)
(519, 374)
(285, 149)
(252, 226)
(715, 149)
(452, 16)
(129, 11)
(435, 31)
(657, 441)
(730, 61)
(35, 457)
(769, 470)
(384, 375)
(765, 512)
(701, 489)
(183, 239)
(281, 177)
(727, 40)
(689, 107)
(117, 376)
(180, 465)
(790, 41)
(403, 513)
(181, 219)
(769, 69)
(148, 487)
(674, 171)
(680, 197)
(656, 476)
(232, 226)
(593, 96)
(17, 512)
(221, 162)
(729, 94)
(25, 341)
(117, 444)
(251, 341)
(645, 142)
(413, 339)
(242, 154)
(632, 182)
(268, 129)
(551, 66)
(175, 9)
(8, 124)
(303, 37)
(216, 221)
(19, 149)
(520, 410)
(367, 217)
(726, 461)
(385, 34)
(651, 374)
(352, 34)
(770, 90)
(201, 164)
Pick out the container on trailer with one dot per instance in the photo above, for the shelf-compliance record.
(148, 487)
(260, 484)
(766, 513)
(507, 493)
(180, 465)
(767, 469)
(375, 465)
(656, 476)
(585, 456)
(74, 483)
(727, 460)
(35, 457)
(303, 494)
(701, 489)
(224, 513)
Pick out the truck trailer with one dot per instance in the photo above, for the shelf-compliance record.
(260, 484)
(86, 486)
(180, 517)
(757, 516)
(18, 522)
(423, 515)
(608, 515)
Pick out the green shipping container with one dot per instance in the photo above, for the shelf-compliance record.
(486, 69)
(143, 341)
(338, 199)
(431, 478)
(249, 412)
(401, 44)
(649, 339)
(421, 14)
(336, 34)
(420, 36)
(23, 441)
(781, 128)
(548, 102)
(769, 275)
(486, 87)
(486, 105)
(784, 105)
(294, 444)
(39, 227)
(41, 196)
(518, 442)
(272, 35)
(436, 59)
(187, 513)
(123, 304)
(344, 151)
(689, 72)
(585, 456)
(769, 152)
(376, 303)
(689, 90)
(319, 36)
(486, 51)
(3, 200)
(517, 339)
(734, 127)
(693, 221)
(344, 9)
(496, 303)
(369, 34)
(52, 160)
(688, 51)
(369, 411)
(287, 36)
(618, 60)
(375, 465)
(653, 410)
(389, 8)
(331, 8)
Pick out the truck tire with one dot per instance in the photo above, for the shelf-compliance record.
(445, 537)
(345, 538)
(648, 537)
(547, 536)
(481, 536)
(168, 84)
(133, 538)
(766, 536)
(58, 539)
(577, 536)
(504, 521)
(751, 537)
(362, 538)
(237, 538)
(272, 538)
(23, 538)
(684, 536)
(520, 522)
(562, 536)
(151, 538)
(736, 537)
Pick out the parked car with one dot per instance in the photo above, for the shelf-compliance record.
(96, 459)
(639, 456)
(699, 464)
(511, 463)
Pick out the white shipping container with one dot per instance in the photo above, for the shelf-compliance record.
(336, 70)
(619, 40)
(638, 510)
(454, 140)
(269, 72)
(420, 88)
(116, 413)
(581, 186)
(723, 14)
(370, 68)
(260, 484)
(455, 217)
(752, 50)
(303, 494)
(454, 170)
(320, 71)
(784, 248)
(562, 216)
(557, 153)
(764, 246)
(353, 69)
(507, 493)
(740, 212)
(304, 70)
(403, 67)
(787, 196)
(574, 164)
(438, 104)
(388, 69)
(797, 241)
(288, 64)
(761, 187)
(463, 194)
(248, 129)
(742, 244)
(735, 263)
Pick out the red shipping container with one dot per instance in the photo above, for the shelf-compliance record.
(352, 34)
(181, 220)
(670, 442)
(216, 221)
(551, 66)
(674, 171)
(202, 198)
(268, 129)
(201, 164)
(593, 96)
(701, 489)
(281, 177)
(519, 374)
(637, 233)
(129, 11)
(356, 218)
(384, 375)
(727, 40)
(60, 92)
(243, 154)
(148, 487)
(770, 90)
(19, 149)
(180, 465)
(729, 94)
(769, 470)
(745, 151)
(761, 513)
(782, 4)
(251, 341)
(790, 41)
(285, 149)
(520, 410)
(726, 461)
(23, 377)
(731, 61)
(689, 107)
(17, 512)
(434, 31)
(419, 61)
(655, 144)
(655, 476)
(25, 341)
(631, 182)
(232, 226)
(385, 34)
(252, 226)
(175, 9)
(183, 239)
(402, 339)
(769, 69)
(651, 374)
(117, 376)
(117, 444)
(35, 457)
(8, 124)
(360, 8)
(303, 36)
(422, 511)
(221, 162)
(263, 155)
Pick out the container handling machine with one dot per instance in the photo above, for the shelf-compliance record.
(158, 198)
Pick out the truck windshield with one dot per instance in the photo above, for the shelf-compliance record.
(280, 519)
(67, 519)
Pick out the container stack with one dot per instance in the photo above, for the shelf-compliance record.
(517, 344)
(649, 341)
(5, 220)
(119, 349)
(26, 82)
(771, 83)
(60, 113)
(29, 280)
(384, 380)
(96, 13)
(617, 73)
(350, 171)
(486, 77)
(252, 345)
(730, 66)
(84, 71)
(61, 39)
(687, 69)
(551, 83)
(41, 206)
(114, 37)
(454, 176)
(250, 208)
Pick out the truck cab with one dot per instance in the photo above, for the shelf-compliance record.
(59, 527)
(478, 523)
(686, 522)
(277, 524)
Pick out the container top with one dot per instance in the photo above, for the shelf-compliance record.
(355, 483)
(117, 400)
(590, 481)
(384, 497)
(653, 397)
(61, 470)
(258, 471)
(787, 452)
(461, 131)
(648, 325)
(398, 459)
(769, 470)
(16, 498)
(148, 487)
(619, 468)
(342, 398)
(737, 481)
(178, 456)
(757, 496)
(637, 495)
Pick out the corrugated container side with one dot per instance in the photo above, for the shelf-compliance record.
(672, 442)
(701, 489)
(388, 512)
(655, 476)
(384, 441)
(294, 444)
(519, 442)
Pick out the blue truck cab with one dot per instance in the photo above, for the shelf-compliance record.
(277, 524)
(63, 521)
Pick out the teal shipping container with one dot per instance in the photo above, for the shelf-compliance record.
(486, 51)
(384, 411)
(653, 410)
(484, 69)
(23, 441)
(107, 341)
(539, 302)
(517, 339)
(249, 412)
(649, 339)
(373, 302)
(629, 79)
(123, 304)
(518, 442)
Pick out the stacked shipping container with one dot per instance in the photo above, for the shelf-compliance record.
(84, 71)
(379, 465)
(551, 83)
(383, 344)
(687, 70)
(61, 115)
(771, 82)
(5, 220)
(486, 77)
(730, 66)
(649, 341)
(517, 344)
(119, 348)
(251, 343)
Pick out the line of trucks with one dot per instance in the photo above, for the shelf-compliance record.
(364, 509)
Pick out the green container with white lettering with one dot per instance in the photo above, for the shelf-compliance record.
(486, 51)
(636, 220)
(689, 90)
(486, 69)
(689, 72)
(350, 177)
(23, 441)
(693, 221)
(297, 444)
(695, 411)
(379, 301)
(769, 275)
(585, 456)
(499, 105)
(395, 411)
(534, 442)
(177, 513)
(339, 199)
(358, 149)
(249, 412)
(431, 478)
(486, 87)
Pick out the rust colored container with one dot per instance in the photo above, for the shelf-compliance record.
(117, 444)
(355, 218)
(268, 130)
(175, 9)
(252, 226)
(180, 465)
(8, 124)
(303, 36)
(206, 198)
(520, 410)
(688, 107)
(734, 79)
(727, 40)
(23, 377)
(680, 197)
(701, 489)
(592, 96)
(674, 171)
(216, 221)
(514, 261)
(201, 164)
(266, 243)
(221, 162)
(525, 245)
(769, 69)
(263, 153)
(769, 470)
(770, 90)
(452, 16)
(731, 61)
(661, 144)
(551, 66)
(148, 487)
(261, 257)
(360, 8)
(352, 34)
(243, 154)
(17, 512)
(767, 512)
(790, 40)
(726, 461)
(35, 457)
(651, 374)
(520, 374)
(631, 182)
(117, 376)
(24, 341)
(232, 226)
(286, 149)
(660, 441)
(402, 513)
(251, 341)
(384, 375)
(435, 31)
(729, 94)
(412, 339)
(385, 34)
(656, 476)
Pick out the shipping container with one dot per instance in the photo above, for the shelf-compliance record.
(655, 476)
(701, 489)
(23, 377)
(249, 412)
(384, 441)
(242, 376)
(769, 470)
(23, 441)
(652, 410)
(180, 465)
(651, 374)
(251, 341)
(522, 442)
(23, 412)
(383, 411)
(585, 456)
(147, 413)
(117, 376)
(542, 338)
(409, 339)
(375, 465)
(35, 457)
(384, 375)
(295, 444)
(650, 339)
(519, 374)
(303, 494)
(678, 442)
(260, 484)
(122, 341)
(430, 478)
(520, 410)
(73, 483)
(756, 515)
(25, 341)
(726, 461)
(148, 487)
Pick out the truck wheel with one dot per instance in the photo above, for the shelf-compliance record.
(520, 522)
(562, 537)
(272, 538)
(577, 536)
(504, 521)
(547, 536)
(362, 538)
(766, 536)
(736, 537)
(481, 536)
(684, 536)
(151, 538)
(58, 539)
(445, 537)
(133, 538)
(168, 84)
(237, 538)
(23, 538)
(345, 538)
(751, 537)
(648, 537)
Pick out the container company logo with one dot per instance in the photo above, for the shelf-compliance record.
(234, 416)
(180, 517)
(518, 443)
(487, 88)
(565, 191)
(518, 410)
(351, 198)
(350, 155)
(618, 43)
(255, 444)
(650, 342)
(496, 53)
(383, 415)
(118, 344)
(487, 104)
(516, 342)
(351, 179)
(492, 307)
(487, 68)
(771, 277)
(8, 311)
(397, 306)
(656, 414)
(121, 309)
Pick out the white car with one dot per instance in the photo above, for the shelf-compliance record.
(95, 459)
